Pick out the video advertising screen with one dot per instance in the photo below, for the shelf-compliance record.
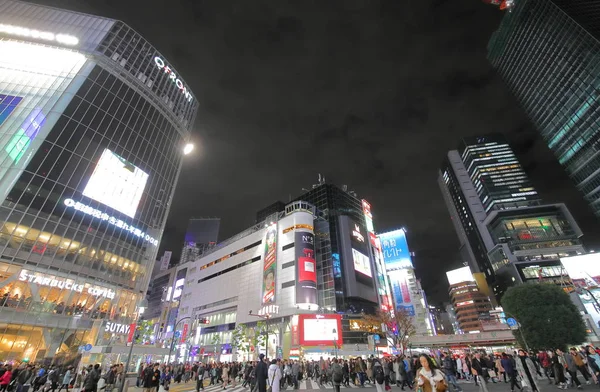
(362, 263)
(117, 183)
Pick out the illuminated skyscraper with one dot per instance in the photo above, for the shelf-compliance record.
(548, 53)
(93, 120)
(504, 230)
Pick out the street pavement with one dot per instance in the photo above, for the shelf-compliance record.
(310, 385)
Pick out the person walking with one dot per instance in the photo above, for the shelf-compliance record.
(526, 370)
(262, 371)
(429, 376)
(378, 374)
(66, 380)
(571, 367)
(337, 375)
(5, 378)
(510, 370)
(450, 371)
(274, 376)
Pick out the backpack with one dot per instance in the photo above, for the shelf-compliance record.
(379, 375)
(338, 375)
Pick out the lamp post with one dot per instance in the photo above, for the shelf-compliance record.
(265, 317)
(335, 342)
(141, 307)
(173, 339)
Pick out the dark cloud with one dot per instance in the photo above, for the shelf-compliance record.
(370, 93)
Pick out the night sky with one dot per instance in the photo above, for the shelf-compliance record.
(368, 93)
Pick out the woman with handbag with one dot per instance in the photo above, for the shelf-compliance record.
(429, 377)
(273, 377)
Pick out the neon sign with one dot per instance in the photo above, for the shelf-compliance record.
(36, 34)
(357, 234)
(64, 284)
(110, 219)
(160, 63)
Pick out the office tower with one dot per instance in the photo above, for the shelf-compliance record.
(548, 53)
(471, 306)
(504, 230)
(201, 235)
(93, 120)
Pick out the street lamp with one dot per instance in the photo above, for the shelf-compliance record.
(265, 317)
(188, 148)
(334, 342)
(141, 308)
(174, 338)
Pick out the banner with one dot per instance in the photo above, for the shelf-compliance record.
(132, 328)
(270, 265)
(184, 333)
(306, 268)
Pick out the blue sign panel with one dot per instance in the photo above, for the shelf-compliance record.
(511, 322)
(8, 103)
(395, 250)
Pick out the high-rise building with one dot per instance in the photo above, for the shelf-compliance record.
(201, 235)
(406, 289)
(548, 53)
(471, 306)
(92, 123)
(504, 230)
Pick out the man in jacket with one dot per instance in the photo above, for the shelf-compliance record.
(151, 378)
(477, 366)
(295, 373)
(23, 377)
(262, 373)
(199, 374)
(570, 366)
(90, 384)
(450, 371)
(580, 364)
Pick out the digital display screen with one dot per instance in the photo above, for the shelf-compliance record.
(460, 275)
(584, 270)
(8, 103)
(320, 329)
(117, 183)
(20, 141)
(362, 263)
(395, 250)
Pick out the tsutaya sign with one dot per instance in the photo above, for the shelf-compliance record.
(117, 328)
(64, 284)
(110, 219)
(160, 63)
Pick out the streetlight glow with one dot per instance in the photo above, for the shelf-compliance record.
(189, 147)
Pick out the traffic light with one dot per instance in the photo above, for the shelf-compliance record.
(203, 320)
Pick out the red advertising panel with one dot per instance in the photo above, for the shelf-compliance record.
(320, 329)
(270, 266)
(184, 333)
(132, 328)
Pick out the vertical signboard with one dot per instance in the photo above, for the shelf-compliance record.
(395, 250)
(401, 291)
(306, 268)
(184, 332)
(130, 335)
(270, 265)
(368, 216)
(165, 261)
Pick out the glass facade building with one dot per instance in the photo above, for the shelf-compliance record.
(548, 52)
(92, 122)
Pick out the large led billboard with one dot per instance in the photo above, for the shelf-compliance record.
(362, 263)
(116, 183)
(270, 266)
(306, 268)
(20, 141)
(320, 329)
(401, 290)
(460, 275)
(395, 250)
(8, 104)
(584, 270)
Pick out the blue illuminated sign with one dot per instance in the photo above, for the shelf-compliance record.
(8, 103)
(395, 250)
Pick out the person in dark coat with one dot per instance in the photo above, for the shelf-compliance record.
(90, 384)
(261, 373)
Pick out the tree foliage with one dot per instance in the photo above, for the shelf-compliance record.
(547, 316)
(143, 331)
(396, 328)
(240, 339)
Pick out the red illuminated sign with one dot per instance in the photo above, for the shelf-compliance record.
(320, 329)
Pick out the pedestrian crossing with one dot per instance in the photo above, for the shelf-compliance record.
(303, 385)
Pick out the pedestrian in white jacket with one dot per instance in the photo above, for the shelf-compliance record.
(274, 376)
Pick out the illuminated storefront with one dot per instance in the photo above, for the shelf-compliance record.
(91, 134)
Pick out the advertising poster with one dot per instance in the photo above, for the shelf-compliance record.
(306, 268)
(270, 266)
(584, 270)
(401, 291)
(18, 144)
(395, 250)
(320, 329)
(8, 103)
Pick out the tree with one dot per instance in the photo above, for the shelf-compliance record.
(143, 331)
(547, 316)
(239, 338)
(396, 328)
